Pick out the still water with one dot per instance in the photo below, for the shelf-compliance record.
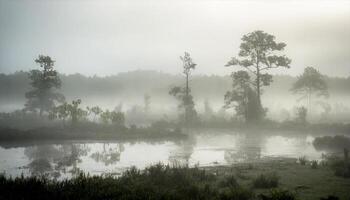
(64, 160)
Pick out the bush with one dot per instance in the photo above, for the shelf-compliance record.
(266, 181)
(278, 195)
(314, 164)
(341, 168)
(229, 181)
(237, 193)
(155, 182)
(302, 160)
(334, 143)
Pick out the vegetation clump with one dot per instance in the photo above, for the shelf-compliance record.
(155, 182)
(333, 143)
(302, 160)
(265, 181)
(278, 194)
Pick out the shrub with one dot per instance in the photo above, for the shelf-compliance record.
(330, 197)
(278, 195)
(266, 181)
(229, 181)
(314, 164)
(302, 160)
(237, 193)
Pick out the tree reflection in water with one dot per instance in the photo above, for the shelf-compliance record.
(53, 160)
(248, 150)
(109, 155)
(182, 154)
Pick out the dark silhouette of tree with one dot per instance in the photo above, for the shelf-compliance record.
(75, 112)
(259, 53)
(44, 82)
(301, 115)
(183, 94)
(242, 97)
(186, 104)
(310, 83)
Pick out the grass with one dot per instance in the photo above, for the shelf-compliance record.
(266, 181)
(278, 194)
(302, 160)
(164, 182)
(155, 182)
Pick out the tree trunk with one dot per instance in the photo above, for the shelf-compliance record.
(186, 106)
(258, 91)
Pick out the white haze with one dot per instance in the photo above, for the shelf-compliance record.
(107, 37)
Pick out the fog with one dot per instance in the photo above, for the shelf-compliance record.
(107, 37)
(160, 99)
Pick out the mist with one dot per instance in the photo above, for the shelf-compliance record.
(152, 99)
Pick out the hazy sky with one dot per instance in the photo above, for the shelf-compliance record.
(106, 37)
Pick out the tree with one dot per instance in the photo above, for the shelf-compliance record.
(186, 104)
(310, 83)
(44, 82)
(258, 54)
(301, 115)
(61, 112)
(117, 118)
(242, 98)
(183, 94)
(96, 110)
(75, 112)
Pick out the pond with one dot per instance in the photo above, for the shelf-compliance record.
(66, 159)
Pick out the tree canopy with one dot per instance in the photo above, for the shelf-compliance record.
(259, 53)
(43, 82)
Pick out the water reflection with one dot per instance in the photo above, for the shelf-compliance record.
(248, 149)
(182, 153)
(53, 160)
(70, 158)
(109, 155)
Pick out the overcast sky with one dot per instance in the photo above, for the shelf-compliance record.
(105, 37)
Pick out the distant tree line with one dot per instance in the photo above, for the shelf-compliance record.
(259, 53)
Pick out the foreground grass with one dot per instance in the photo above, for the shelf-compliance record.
(305, 181)
(277, 180)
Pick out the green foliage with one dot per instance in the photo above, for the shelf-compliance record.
(258, 54)
(43, 96)
(266, 181)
